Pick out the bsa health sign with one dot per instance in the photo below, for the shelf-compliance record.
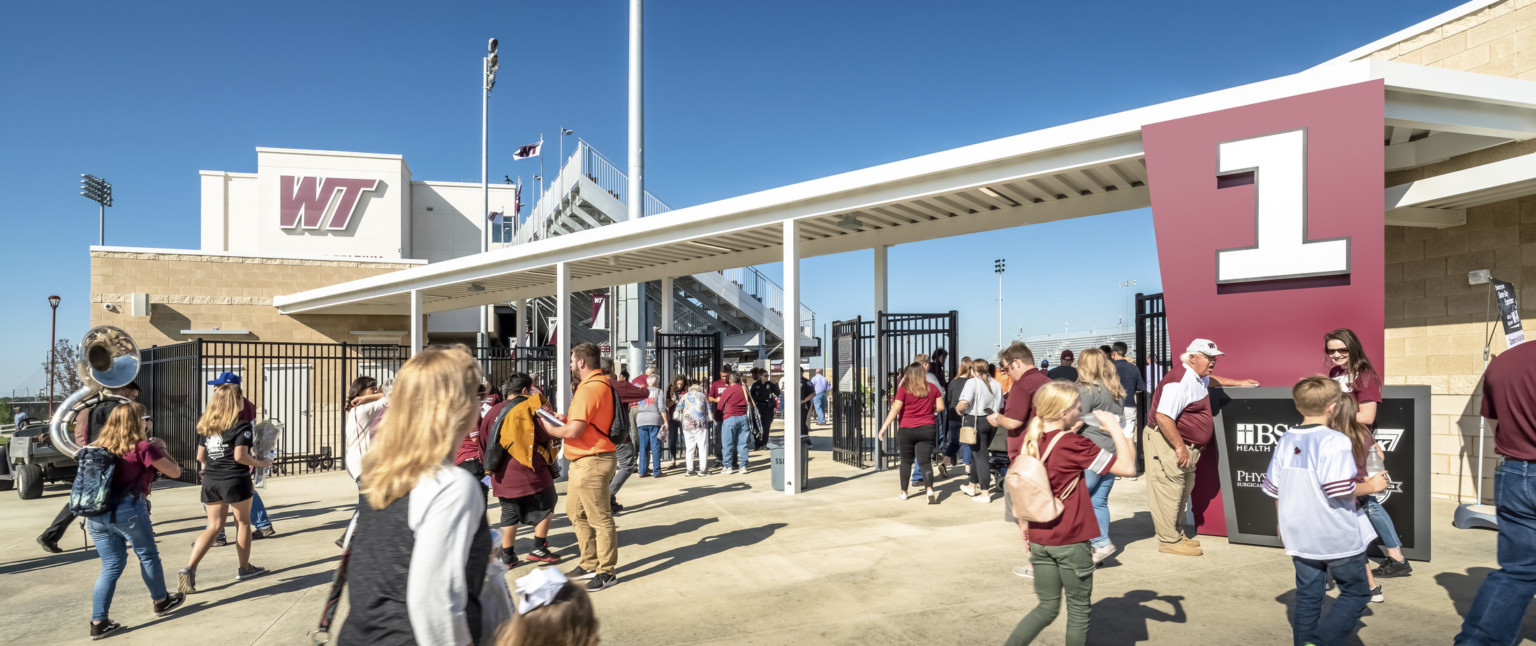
(1252, 423)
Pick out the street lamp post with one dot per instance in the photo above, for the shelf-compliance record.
(489, 66)
(53, 335)
(99, 191)
(997, 267)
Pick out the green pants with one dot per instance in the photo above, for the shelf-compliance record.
(1058, 568)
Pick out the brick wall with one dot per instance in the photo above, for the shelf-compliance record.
(1499, 39)
(1437, 323)
(201, 292)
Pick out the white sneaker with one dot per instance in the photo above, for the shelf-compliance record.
(968, 490)
(1101, 553)
(1025, 571)
(982, 498)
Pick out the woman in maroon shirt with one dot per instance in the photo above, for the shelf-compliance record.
(917, 403)
(136, 461)
(1348, 365)
(1058, 550)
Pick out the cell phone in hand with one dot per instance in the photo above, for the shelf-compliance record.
(987, 411)
(548, 417)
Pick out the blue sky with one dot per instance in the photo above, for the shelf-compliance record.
(740, 97)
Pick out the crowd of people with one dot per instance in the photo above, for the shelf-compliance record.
(428, 450)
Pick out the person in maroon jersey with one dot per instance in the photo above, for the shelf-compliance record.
(1181, 427)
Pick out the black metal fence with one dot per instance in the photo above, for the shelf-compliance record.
(854, 420)
(303, 385)
(695, 357)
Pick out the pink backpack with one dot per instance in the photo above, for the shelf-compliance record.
(1029, 488)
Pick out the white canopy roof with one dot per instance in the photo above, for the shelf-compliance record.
(1074, 170)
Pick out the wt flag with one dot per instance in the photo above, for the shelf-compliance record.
(530, 150)
(495, 218)
(599, 311)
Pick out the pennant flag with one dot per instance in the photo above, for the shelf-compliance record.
(554, 330)
(528, 151)
(517, 199)
(495, 218)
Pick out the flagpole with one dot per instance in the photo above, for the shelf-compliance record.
(541, 168)
(486, 81)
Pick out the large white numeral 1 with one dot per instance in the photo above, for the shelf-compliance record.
(1281, 250)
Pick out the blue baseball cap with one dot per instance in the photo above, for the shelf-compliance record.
(226, 378)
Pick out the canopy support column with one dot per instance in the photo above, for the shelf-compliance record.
(563, 333)
(418, 322)
(791, 336)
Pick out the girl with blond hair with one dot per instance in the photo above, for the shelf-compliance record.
(227, 462)
(1346, 420)
(136, 461)
(1058, 549)
(1099, 389)
(419, 555)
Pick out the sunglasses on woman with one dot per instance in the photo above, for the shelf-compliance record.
(1334, 351)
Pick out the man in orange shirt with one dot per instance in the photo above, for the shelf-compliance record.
(591, 453)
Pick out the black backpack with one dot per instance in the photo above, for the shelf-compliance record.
(495, 453)
(92, 493)
(618, 431)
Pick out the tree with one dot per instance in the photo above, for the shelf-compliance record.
(5, 411)
(61, 371)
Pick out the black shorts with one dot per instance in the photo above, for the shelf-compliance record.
(527, 510)
(228, 491)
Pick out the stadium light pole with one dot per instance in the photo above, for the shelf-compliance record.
(998, 267)
(489, 66)
(1124, 284)
(53, 340)
(99, 191)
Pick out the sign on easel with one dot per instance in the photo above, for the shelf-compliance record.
(1509, 311)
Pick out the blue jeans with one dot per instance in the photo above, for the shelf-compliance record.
(1098, 488)
(735, 440)
(1383, 524)
(1501, 601)
(1354, 594)
(259, 518)
(649, 442)
(111, 543)
(820, 401)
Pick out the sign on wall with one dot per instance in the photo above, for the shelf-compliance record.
(319, 202)
(1251, 424)
(1270, 229)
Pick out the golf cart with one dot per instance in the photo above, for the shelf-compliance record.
(30, 459)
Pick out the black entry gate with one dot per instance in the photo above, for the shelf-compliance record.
(695, 357)
(867, 360)
(1155, 354)
(854, 419)
(540, 362)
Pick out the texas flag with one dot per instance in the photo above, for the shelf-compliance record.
(528, 151)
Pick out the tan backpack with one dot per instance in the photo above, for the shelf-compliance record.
(1029, 487)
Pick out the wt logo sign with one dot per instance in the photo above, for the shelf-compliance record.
(307, 201)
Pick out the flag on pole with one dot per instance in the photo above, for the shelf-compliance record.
(599, 310)
(528, 151)
(517, 199)
(495, 218)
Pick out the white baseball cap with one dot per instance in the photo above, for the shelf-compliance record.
(1206, 347)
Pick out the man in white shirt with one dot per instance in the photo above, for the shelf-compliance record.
(1181, 427)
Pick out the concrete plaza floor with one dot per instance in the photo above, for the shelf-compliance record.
(727, 560)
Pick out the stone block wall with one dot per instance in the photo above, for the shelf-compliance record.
(202, 292)
(1499, 39)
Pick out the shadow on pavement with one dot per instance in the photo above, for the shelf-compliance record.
(1462, 589)
(685, 495)
(1123, 620)
(1288, 599)
(706, 547)
(1129, 530)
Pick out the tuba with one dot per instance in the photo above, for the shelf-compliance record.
(108, 359)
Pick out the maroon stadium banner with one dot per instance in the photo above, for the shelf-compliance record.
(1270, 223)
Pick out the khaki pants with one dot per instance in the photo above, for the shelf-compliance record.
(587, 506)
(1168, 484)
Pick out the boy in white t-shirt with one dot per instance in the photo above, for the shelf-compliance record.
(1314, 477)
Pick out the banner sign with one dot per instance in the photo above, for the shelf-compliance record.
(1251, 424)
(844, 345)
(599, 310)
(1509, 311)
